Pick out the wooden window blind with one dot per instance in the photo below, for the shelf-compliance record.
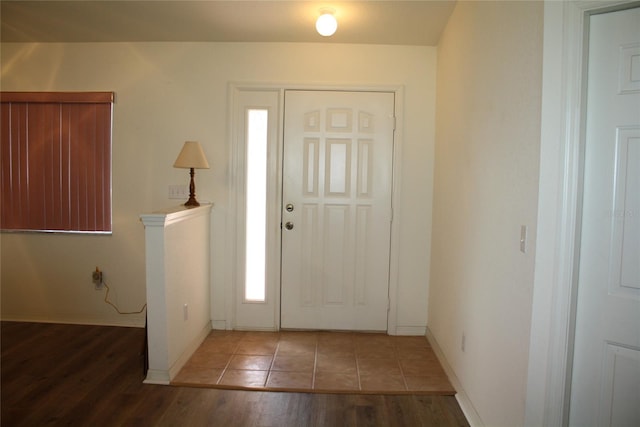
(55, 161)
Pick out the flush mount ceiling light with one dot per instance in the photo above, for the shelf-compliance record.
(326, 23)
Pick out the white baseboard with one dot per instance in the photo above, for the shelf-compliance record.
(255, 329)
(219, 325)
(164, 377)
(409, 331)
(189, 350)
(461, 396)
(155, 376)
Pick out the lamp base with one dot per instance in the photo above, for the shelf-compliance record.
(192, 202)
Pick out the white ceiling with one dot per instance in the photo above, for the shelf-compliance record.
(366, 22)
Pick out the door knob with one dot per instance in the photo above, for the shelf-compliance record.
(289, 207)
(288, 225)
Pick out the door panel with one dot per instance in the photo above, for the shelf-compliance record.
(605, 386)
(337, 174)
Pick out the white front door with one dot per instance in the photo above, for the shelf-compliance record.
(336, 218)
(605, 386)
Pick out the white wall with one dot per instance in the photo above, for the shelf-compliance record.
(167, 93)
(486, 183)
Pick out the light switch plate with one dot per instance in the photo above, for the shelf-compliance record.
(178, 192)
(523, 238)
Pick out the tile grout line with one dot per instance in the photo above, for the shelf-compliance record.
(355, 355)
(315, 364)
(226, 366)
(404, 378)
(273, 361)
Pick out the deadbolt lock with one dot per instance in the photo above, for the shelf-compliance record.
(289, 207)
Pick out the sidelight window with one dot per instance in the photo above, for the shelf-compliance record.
(256, 204)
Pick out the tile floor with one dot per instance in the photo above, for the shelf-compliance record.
(335, 362)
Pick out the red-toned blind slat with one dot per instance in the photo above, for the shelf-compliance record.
(56, 161)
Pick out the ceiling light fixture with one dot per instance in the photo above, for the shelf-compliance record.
(326, 24)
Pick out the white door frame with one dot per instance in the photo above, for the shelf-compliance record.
(560, 186)
(234, 244)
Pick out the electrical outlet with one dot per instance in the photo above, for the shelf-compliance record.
(96, 276)
(463, 342)
(185, 311)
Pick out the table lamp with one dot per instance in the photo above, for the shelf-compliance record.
(191, 157)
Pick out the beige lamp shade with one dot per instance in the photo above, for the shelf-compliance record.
(191, 156)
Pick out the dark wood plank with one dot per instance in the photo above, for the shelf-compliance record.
(92, 375)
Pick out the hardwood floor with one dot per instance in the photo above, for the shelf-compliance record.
(92, 376)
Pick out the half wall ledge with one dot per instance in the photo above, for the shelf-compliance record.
(177, 257)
